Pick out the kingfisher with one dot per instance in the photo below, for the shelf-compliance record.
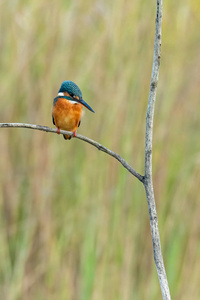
(67, 108)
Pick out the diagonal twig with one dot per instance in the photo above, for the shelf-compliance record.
(81, 137)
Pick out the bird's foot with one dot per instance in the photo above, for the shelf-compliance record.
(74, 133)
(58, 130)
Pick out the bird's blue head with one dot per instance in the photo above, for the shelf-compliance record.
(71, 88)
(74, 93)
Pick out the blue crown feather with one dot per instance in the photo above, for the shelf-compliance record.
(71, 88)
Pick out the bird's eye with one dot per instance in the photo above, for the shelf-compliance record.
(76, 97)
(71, 95)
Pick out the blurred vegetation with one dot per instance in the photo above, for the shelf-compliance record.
(73, 223)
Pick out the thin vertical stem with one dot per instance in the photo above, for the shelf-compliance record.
(148, 181)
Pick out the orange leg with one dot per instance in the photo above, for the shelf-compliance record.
(58, 130)
(74, 133)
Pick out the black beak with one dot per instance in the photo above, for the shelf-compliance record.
(81, 101)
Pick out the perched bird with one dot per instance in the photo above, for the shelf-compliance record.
(67, 108)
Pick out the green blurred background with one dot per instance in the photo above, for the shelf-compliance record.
(73, 223)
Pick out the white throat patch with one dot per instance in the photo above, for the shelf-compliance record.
(62, 94)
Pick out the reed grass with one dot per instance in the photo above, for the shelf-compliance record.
(73, 223)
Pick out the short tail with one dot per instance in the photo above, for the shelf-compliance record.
(67, 137)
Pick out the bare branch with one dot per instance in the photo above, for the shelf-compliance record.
(148, 182)
(147, 179)
(81, 137)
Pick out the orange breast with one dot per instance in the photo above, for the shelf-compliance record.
(67, 115)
